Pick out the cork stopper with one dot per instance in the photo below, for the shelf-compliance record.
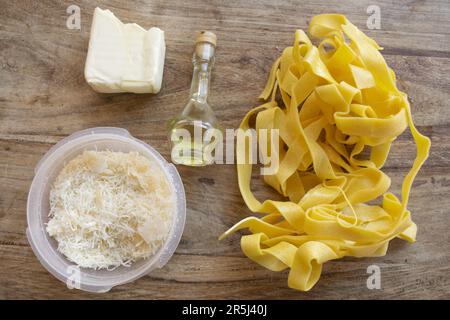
(206, 36)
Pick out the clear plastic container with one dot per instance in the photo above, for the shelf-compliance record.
(45, 247)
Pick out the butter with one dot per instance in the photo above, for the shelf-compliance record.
(124, 57)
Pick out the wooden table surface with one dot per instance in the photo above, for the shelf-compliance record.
(44, 98)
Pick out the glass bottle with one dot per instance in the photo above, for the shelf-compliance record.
(187, 129)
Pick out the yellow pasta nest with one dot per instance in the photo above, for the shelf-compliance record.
(339, 99)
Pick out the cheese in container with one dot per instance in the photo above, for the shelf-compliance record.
(104, 209)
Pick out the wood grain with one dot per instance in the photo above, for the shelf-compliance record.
(44, 97)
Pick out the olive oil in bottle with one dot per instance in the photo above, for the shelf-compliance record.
(188, 128)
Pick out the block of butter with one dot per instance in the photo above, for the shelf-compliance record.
(124, 57)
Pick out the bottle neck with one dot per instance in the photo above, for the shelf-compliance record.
(202, 60)
(200, 81)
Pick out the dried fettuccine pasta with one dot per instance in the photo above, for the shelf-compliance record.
(339, 98)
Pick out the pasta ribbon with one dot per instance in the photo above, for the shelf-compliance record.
(338, 110)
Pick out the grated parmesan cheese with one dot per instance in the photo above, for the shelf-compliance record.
(109, 209)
